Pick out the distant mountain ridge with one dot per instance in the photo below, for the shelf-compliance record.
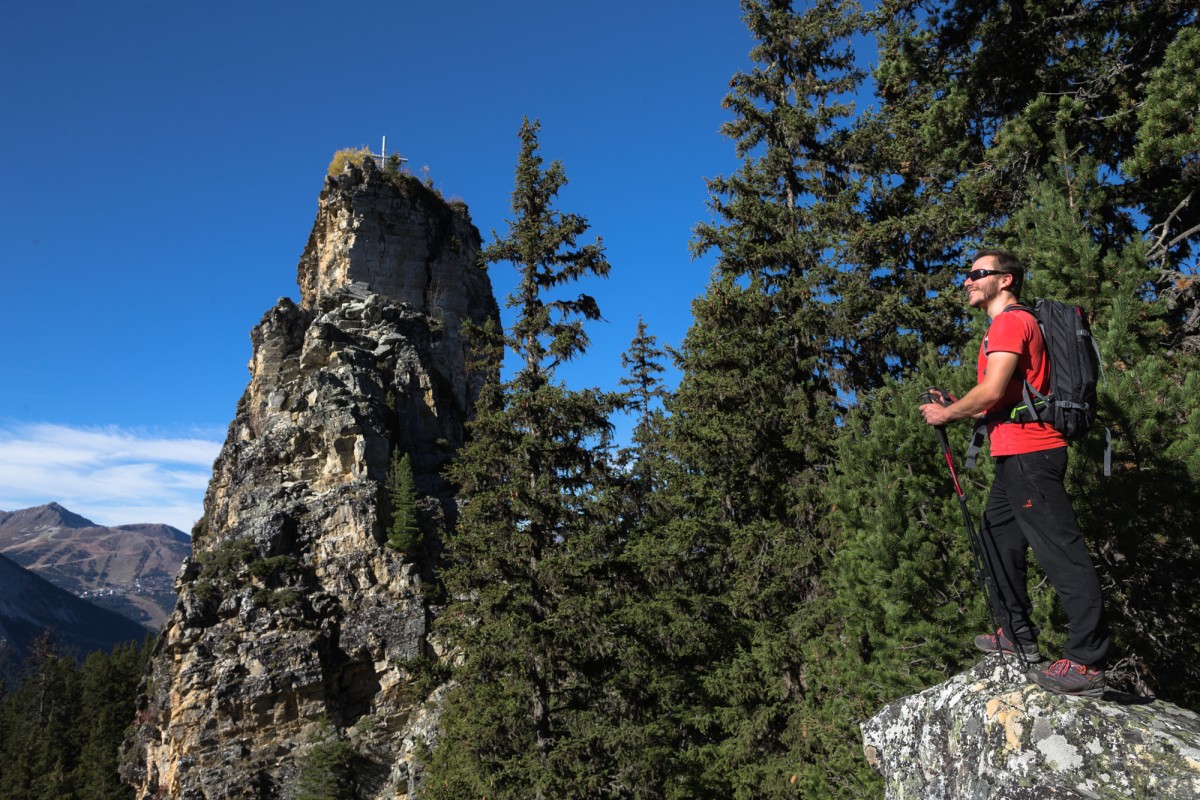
(129, 569)
(30, 605)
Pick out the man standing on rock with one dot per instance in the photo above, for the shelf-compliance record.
(1028, 506)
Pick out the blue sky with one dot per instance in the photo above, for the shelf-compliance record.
(163, 165)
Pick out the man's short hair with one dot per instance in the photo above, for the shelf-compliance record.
(1006, 262)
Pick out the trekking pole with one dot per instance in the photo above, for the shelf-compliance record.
(983, 575)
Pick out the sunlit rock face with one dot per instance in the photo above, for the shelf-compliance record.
(989, 734)
(295, 621)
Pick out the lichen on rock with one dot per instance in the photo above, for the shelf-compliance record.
(989, 733)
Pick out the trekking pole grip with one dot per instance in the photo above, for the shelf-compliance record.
(934, 395)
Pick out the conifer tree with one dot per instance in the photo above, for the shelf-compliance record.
(643, 360)
(53, 740)
(108, 687)
(980, 99)
(329, 771)
(531, 547)
(1142, 522)
(965, 161)
(754, 420)
(62, 725)
(404, 532)
(662, 620)
(900, 592)
(643, 389)
(975, 100)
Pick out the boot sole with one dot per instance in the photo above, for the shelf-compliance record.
(1094, 692)
(1032, 659)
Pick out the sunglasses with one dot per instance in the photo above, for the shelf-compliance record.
(980, 274)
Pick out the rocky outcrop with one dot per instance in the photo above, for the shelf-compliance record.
(392, 236)
(295, 620)
(989, 733)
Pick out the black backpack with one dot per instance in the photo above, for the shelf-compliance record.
(1075, 370)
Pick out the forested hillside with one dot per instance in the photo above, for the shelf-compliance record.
(712, 611)
(61, 727)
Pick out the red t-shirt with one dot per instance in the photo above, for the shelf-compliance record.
(1017, 332)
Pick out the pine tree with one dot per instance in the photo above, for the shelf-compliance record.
(404, 532)
(966, 149)
(531, 549)
(900, 595)
(754, 420)
(975, 101)
(1142, 522)
(980, 99)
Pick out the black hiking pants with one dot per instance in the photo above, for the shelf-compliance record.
(1029, 508)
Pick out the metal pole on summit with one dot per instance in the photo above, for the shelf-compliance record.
(983, 575)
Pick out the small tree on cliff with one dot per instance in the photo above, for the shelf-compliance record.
(330, 769)
(531, 545)
(404, 533)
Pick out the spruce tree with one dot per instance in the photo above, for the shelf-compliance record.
(965, 150)
(108, 688)
(61, 727)
(663, 620)
(643, 361)
(644, 393)
(404, 530)
(1142, 522)
(754, 421)
(531, 550)
(977, 101)
(900, 592)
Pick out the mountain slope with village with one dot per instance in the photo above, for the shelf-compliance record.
(129, 569)
(32, 608)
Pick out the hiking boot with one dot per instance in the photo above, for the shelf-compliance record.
(995, 642)
(1070, 678)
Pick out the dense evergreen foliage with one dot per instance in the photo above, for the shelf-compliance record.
(62, 724)
(329, 770)
(531, 553)
(778, 552)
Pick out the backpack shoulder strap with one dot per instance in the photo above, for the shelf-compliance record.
(1034, 401)
(978, 437)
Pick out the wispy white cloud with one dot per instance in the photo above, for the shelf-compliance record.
(112, 476)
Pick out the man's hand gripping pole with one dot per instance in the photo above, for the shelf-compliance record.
(933, 395)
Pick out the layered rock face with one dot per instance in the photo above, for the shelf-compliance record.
(296, 623)
(990, 734)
